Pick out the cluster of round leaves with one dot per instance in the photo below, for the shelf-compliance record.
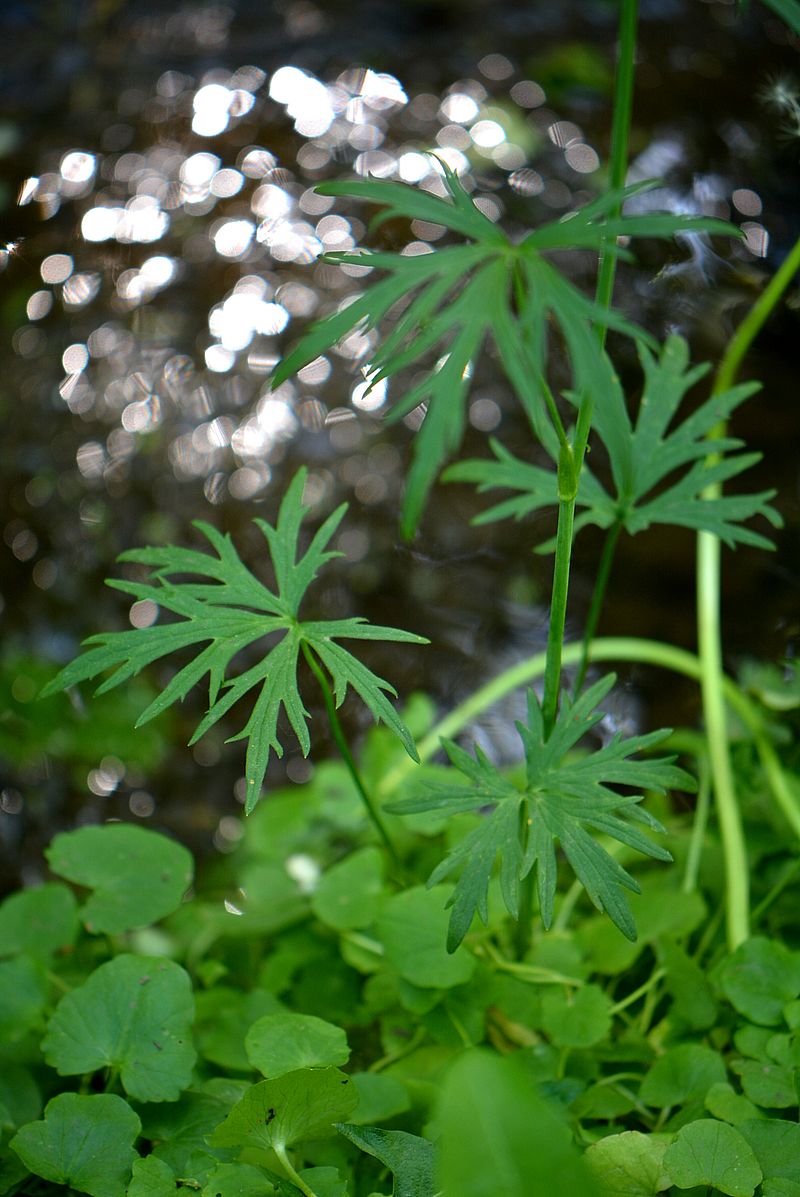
(325, 1028)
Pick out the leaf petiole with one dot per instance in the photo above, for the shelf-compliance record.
(341, 743)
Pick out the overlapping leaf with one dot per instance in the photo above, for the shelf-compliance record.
(643, 456)
(562, 797)
(459, 296)
(230, 610)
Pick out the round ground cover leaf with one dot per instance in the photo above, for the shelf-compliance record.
(759, 978)
(413, 930)
(134, 1014)
(578, 1018)
(629, 1165)
(237, 1180)
(84, 1142)
(152, 1178)
(780, 1188)
(380, 1098)
(768, 1085)
(500, 1138)
(138, 876)
(277, 1114)
(350, 894)
(713, 1153)
(181, 1129)
(39, 922)
(23, 996)
(682, 1074)
(281, 1043)
(776, 1143)
(725, 1103)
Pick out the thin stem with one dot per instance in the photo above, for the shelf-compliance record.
(558, 613)
(598, 595)
(637, 993)
(709, 634)
(753, 322)
(699, 825)
(620, 135)
(347, 756)
(294, 1177)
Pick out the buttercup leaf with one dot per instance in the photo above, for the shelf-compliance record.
(459, 296)
(562, 797)
(231, 611)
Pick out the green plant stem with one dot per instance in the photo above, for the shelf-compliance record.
(598, 596)
(737, 878)
(347, 756)
(558, 613)
(637, 993)
(709, 634)
(699, 825)
(617, 173)
(294, 1177)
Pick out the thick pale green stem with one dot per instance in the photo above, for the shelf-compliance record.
(347, 756)
(709, 633)
(288, 1168)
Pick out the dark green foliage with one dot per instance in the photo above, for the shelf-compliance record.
(644, 457)
(563, 796)
(459, 296)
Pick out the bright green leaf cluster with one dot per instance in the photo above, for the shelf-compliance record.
(229, 611)
(644, 460)
(562, 797)
(459, 296)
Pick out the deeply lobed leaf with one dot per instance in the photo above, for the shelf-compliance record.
(459, 296)
(642, 458)
(231, 610)
(564, 797)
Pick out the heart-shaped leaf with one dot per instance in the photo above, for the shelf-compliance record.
(85, 1142)
(40, 921)
(713, 1153)
(281, 1043)
(138, 875)
(133, 1014)
(279, 1113)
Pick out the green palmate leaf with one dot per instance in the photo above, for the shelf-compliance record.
(643, 458)
(38, 922)
(683, 1074)
(562, 797)
(23, 996)
(776, 1144)
(460, 296)
(281, 1043)
(237, 1180)
(279, 1113)
(230, 611)
(410, 1159)
(350, 894)
(180, 1130)
(412, 928)
(759, 978)
(500, 1138)
(134, 1014)
(83, 1142)
(576, 1018)
(713, 1153)
(629, 1165)
(138, 876)
(152, 1178)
